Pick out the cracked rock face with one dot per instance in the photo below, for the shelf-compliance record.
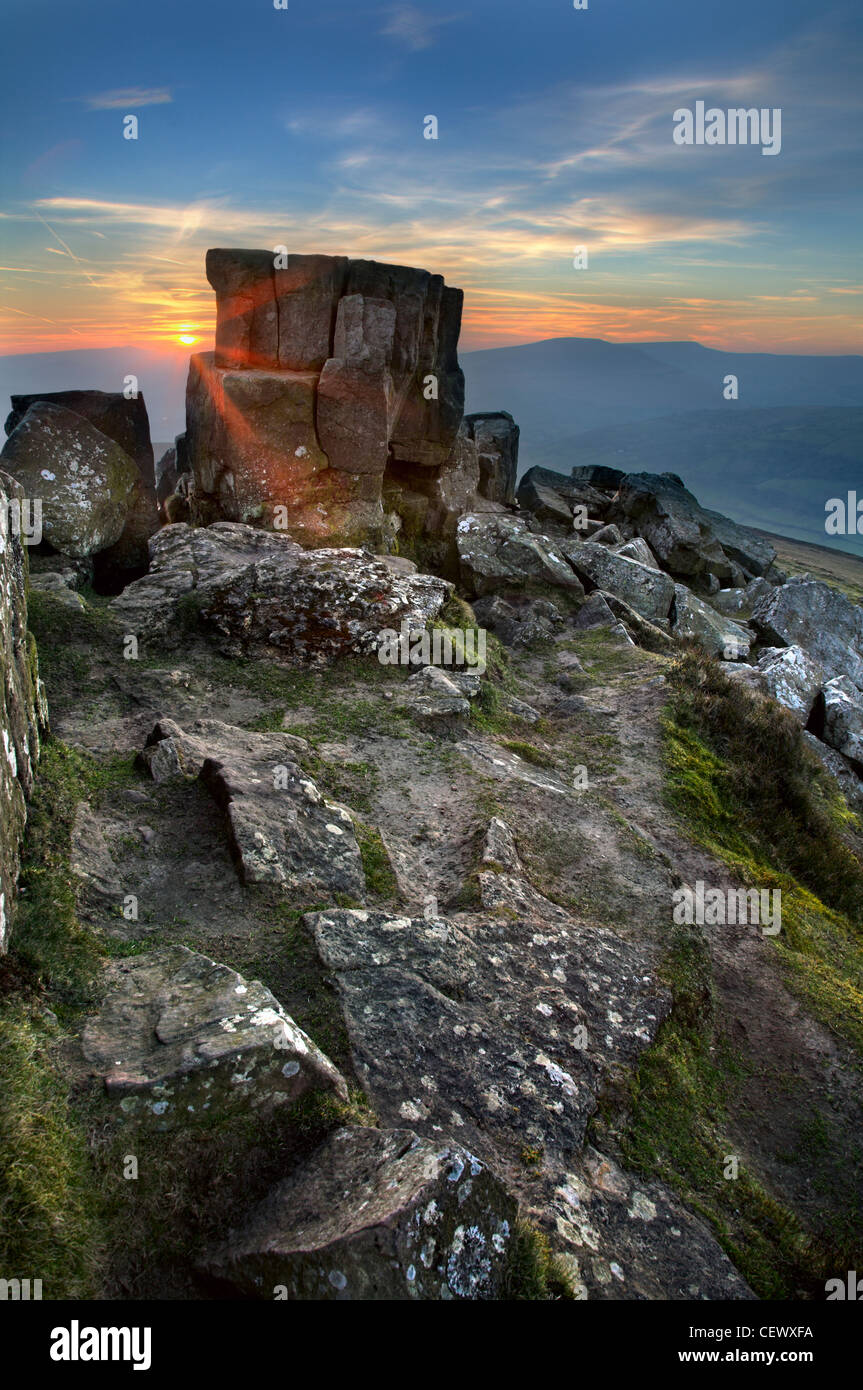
(253, 591)
(646, 589)
(718, 635)
(86, 482)
(180, 1033)
(375, 1214)
(22, 704)
(792, 678)
(282, 830)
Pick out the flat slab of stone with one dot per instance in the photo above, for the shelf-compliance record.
(179, 1033)
(495, 1030)
(282, 829)
(375, 1214)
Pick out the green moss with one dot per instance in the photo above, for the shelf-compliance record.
(380, 876)
(47, 939)
(529, 752)
(747, 788)
(49, 1215)
(534, 1273)
(673, 1131)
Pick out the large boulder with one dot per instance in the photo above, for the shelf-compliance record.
(693, 619)
(86, 483)
(497, 552)
(843, 719)
(812, 615)
(573, 490)
(375, 1214)
(689, 541)
(22, 700)
(251, 590)
(124, 420)
(475, 1024)
(647, 590)
(282, 830)
(112, 413)
(179, 1033)
(792, 678)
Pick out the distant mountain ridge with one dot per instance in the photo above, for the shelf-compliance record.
(643, 407)
(771, 459)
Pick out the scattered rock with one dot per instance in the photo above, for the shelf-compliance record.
(812, 615)
(282, 829)
(499, 551)
(718, 636)
(499, 847)
(647, 590)
(843, 719)
(179, 1033)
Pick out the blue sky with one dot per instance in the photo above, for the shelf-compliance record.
(304, 127)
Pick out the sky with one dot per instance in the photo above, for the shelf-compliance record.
(304, 127)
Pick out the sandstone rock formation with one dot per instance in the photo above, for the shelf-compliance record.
(334, 382)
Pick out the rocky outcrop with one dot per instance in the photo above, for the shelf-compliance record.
(178, 1032)
(282, 830)
(498, 552)
(113, 414)
(843, 720)
(328, 376)
(693, 619)
(792, 679)
(647, 590)
(375, 1214)
(468, 1025)
(250, 590)
(22, 702)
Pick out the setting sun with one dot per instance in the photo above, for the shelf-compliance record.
(186, 338)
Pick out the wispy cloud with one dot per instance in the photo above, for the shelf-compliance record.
(417, 29)
(125, 97)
